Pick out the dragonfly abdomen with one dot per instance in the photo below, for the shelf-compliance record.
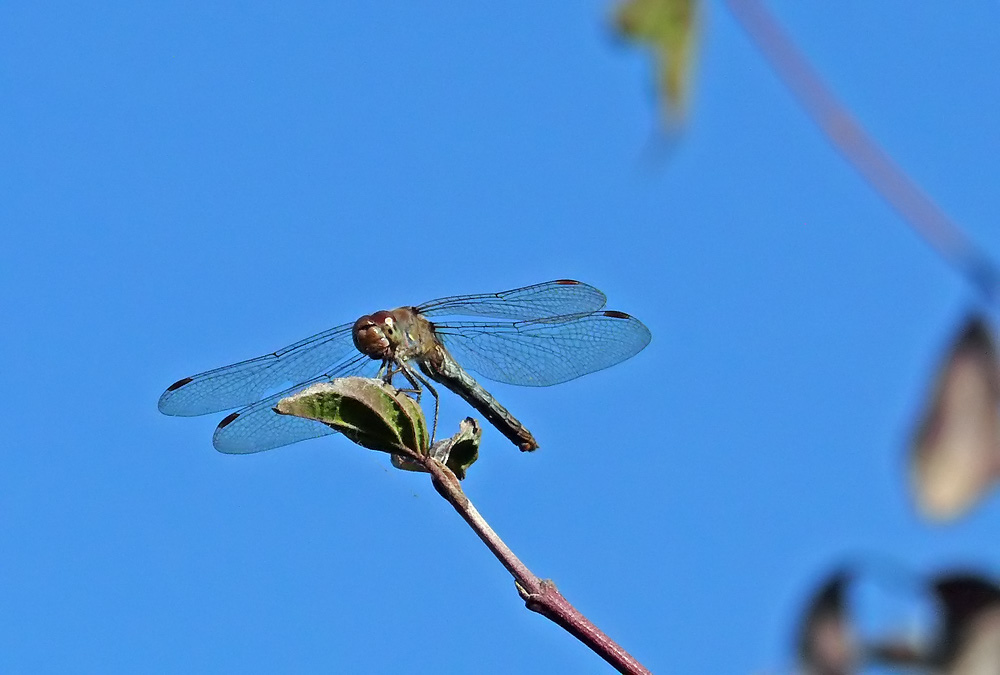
(448, 372)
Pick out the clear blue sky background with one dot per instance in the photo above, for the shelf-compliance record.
(184, 185)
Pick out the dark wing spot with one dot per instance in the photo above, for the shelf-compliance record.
(229, 420)
(616, 315)
(179, 383)
(567, 282)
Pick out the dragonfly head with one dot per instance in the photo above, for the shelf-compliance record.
(376, 334)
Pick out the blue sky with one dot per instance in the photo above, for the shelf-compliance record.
(185, 185)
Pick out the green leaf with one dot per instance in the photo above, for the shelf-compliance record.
(370, 412)
(669, 28)
(458, 453)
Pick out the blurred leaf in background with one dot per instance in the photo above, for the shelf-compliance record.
(669, 28)
(955, 458)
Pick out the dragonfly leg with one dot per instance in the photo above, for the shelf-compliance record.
(390, 369)
(416, 379)
(415, 387)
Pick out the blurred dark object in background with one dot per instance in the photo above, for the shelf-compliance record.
(826, 645)
(868, 616)
(970, 637)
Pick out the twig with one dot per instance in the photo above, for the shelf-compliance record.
(540, 595)
(850, 138)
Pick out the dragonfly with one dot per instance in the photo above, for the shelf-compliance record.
(537, 336)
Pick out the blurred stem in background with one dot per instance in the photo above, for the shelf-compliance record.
(848, 136)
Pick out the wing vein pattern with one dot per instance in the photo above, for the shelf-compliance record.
(545, 351)
(248, 381)
(551, 298)
(257, 427)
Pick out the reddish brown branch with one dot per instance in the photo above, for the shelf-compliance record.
(850, 138)
(540, 595)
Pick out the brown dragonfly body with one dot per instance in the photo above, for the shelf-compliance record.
(402, 335)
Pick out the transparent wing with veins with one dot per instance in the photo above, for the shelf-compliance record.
(249, 381)
(246, 382)
(257, 427)
(545, 351)
(552, 298)
(533, 350)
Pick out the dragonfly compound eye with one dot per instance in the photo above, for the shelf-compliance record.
(370, 338)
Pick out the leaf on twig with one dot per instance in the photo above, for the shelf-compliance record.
(370, 412)
(669, 28)
(458, 453)
(376, 415)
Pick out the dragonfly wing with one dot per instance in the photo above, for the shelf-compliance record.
(258, 427)
(248, 381)
(552, 298)
(546, 351)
